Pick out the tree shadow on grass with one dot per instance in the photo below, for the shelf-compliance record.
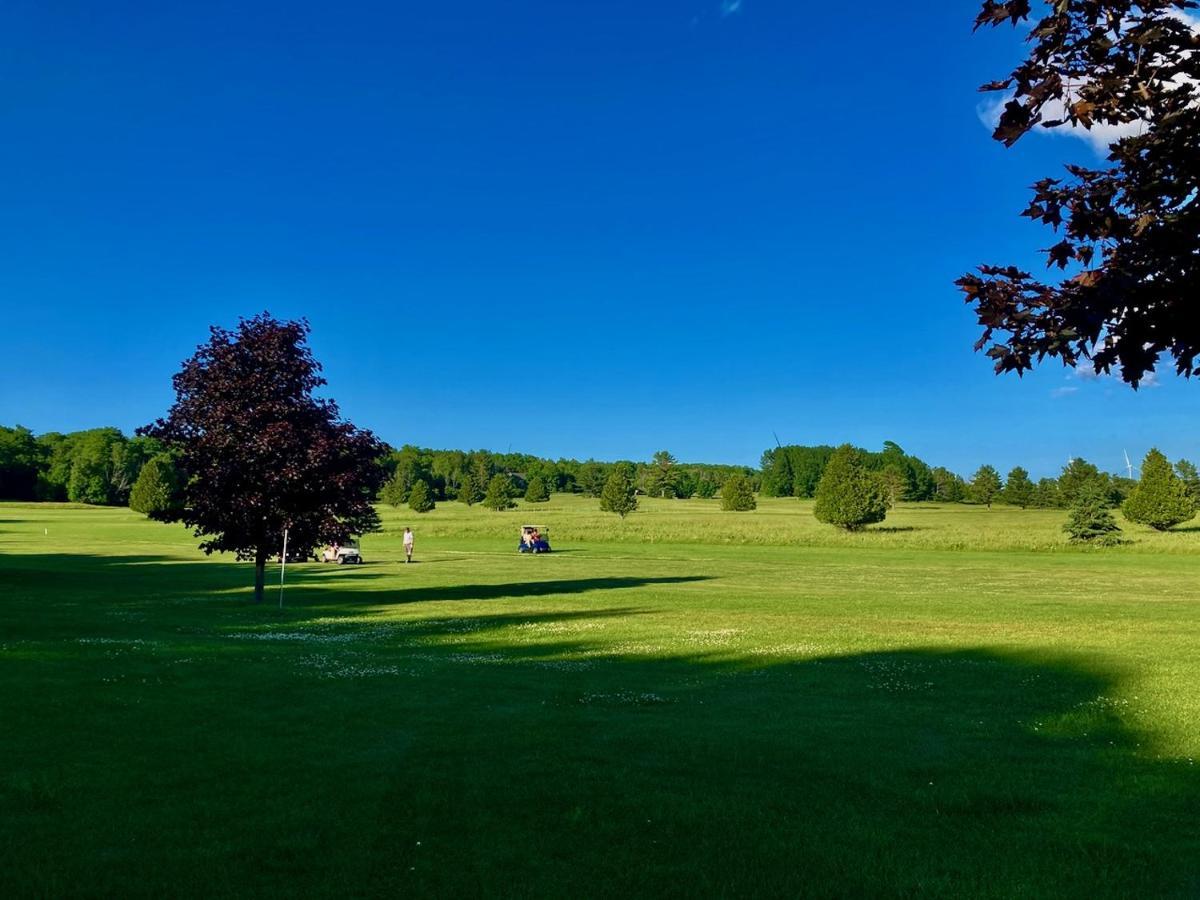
(525, 754)
(566, 752)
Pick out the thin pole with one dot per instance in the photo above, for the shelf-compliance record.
(282, 567)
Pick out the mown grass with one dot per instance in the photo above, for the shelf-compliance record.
(686, 703)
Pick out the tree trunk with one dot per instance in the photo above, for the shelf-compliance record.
(260, 565)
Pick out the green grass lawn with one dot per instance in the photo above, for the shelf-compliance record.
(689, 702)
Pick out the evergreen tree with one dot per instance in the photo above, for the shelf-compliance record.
(1018, 489)
(535, 491)
(1160, 499)
(947, 486)
(395, 492)
(894, 480)
(469, 491)
(848, 495)
(499, 494)
(778, 477)
(660, 475)
(619, 495)
(1075, 475)
(592, 478)
(1091, 520)
(420, 498)
(1191, 480)
(985, 485)
(737, 495)
(156, 492)
(1046, 494)
(707, 486)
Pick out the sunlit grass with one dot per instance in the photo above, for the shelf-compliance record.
(689, 702)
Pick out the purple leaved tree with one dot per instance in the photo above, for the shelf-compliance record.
(259, 453)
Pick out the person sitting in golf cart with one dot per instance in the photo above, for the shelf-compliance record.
(342, 553)
(533, 540)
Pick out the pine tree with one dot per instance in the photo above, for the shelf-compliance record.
(1160, 499)
(986, 485)
(1018, 489)
(893, 480)
(420, 498)
(395, 492)
(1090, 519)
(737, 495)
(156, 491)
(848, 495)
(1046, 494)
(1191, 480)
(468, 491)
(499, 494)
(535, 491)
(619, 495)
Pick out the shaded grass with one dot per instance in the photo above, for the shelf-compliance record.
(636, 719)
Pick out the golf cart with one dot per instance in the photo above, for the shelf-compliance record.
(534, 539)
(342, 553)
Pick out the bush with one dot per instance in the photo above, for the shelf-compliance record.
(420, 498)
(395, 492)
(619, 495)
(499, 494)
(535, 491)
(1091, 520)
(1160, 499)
(848, 495)
(738, 495)
(157, 489)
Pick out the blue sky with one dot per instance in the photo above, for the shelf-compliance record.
(695, 222)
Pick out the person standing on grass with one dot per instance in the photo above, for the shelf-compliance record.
(408, 545)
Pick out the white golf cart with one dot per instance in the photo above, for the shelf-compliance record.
(342, 554)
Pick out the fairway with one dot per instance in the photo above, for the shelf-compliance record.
(954, 703)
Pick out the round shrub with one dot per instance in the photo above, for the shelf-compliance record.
(157, 489)
(1160, 499)
(848, 495)
(738, 495)
(535, 491)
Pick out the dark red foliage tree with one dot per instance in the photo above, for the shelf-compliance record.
(259, 453)
(1129, 245)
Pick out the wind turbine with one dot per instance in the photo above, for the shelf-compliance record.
(1128, 465)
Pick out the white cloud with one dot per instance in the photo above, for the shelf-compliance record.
(730, 7)
(1100, 136)
(1063, 392)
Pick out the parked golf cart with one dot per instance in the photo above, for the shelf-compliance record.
(534, 539)
(342, 554)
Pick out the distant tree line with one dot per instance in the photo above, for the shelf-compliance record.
(471, 476)
(99, 466)
(102, 466)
